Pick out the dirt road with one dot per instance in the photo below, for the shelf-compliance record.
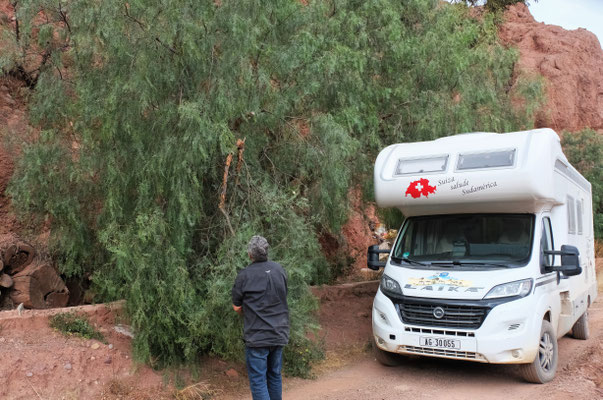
(580, 376)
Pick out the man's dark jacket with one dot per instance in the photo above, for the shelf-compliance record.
(261, 288)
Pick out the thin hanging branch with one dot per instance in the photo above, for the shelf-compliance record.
(241, 147)
(222, 203)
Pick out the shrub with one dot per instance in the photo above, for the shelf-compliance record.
(77, 325)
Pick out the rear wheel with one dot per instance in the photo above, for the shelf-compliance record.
(385, 357)
(544, 366)
(580, 329)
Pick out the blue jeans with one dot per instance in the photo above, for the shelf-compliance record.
(264, 370)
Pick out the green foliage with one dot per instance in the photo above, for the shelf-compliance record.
(302, 354)
(77, 325)
(498, 5)
(391, 217)
(584, 151)
(493, 5)
(141, 111)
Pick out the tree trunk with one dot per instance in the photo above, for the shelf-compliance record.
(39, 286)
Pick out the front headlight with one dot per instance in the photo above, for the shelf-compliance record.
(390, 285)
(511, 289)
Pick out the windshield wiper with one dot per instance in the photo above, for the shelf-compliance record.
(485, 263)
(409, 261)
(457, 262)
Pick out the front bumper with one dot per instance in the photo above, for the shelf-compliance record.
(508, 334)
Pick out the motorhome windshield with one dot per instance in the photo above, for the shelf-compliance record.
(477, 240)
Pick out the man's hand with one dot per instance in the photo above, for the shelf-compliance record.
(238, 309)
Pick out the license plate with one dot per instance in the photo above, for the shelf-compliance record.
(439, 343)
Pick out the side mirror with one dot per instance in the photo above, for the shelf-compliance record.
(372, 257)
(570, 261)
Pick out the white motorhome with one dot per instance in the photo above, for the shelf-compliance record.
(495, 259)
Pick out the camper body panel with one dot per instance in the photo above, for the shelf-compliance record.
(525, 182)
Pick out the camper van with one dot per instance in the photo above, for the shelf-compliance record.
(495, 259)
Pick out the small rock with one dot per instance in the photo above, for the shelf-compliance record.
(95, 346)
(67, 366)
(2, 340)
(124, 330)
(4, 88)
(92, 358)
(111, 347)
(108, 360)
(231, 373)
(29, 374)
(127, 356)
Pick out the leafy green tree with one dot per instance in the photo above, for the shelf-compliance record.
(138, 170)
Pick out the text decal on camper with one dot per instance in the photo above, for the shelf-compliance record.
(420, 187)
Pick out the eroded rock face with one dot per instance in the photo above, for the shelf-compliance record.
(570, 61)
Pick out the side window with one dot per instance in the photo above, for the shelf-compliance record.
(571, 215)
(546, 242)
(579, 215)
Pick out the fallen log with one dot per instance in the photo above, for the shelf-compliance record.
(16, 254)
(39, 286)
(21, 258)
(6, 281)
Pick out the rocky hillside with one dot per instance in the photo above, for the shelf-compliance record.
(571, 62)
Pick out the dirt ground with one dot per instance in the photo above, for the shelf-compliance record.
(40, 363)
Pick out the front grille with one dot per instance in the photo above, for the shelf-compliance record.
(426, 351)
(439, 332)
(455, 315)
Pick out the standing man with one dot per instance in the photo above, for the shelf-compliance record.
(260, 295)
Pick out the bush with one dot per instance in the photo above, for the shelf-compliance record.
(77, 325)
(136, 136)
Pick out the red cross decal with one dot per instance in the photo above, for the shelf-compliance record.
(420, 187)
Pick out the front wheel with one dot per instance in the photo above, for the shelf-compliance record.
(385, 357)
(544, 366)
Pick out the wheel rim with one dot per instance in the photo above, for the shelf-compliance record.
(546, 352)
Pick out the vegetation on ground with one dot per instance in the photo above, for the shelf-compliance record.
(171, 133)
(72, 324)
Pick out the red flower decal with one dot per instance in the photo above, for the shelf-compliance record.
(420, 187)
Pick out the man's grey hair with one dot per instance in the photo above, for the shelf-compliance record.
(258, 248)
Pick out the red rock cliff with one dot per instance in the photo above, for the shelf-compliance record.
(571, 63)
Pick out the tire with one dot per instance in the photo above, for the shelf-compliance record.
(544, 366)
(580, 329)
(385, 357)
